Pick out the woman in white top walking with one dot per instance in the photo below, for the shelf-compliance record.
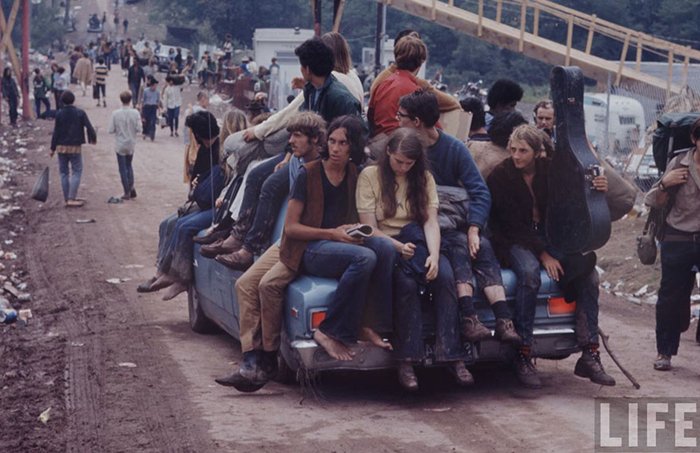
(172, 98)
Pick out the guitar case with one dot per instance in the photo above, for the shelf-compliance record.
(578, 219)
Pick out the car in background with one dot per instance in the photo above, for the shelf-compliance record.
(212, 304)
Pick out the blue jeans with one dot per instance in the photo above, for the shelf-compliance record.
(527, 269)
(408, 317)
(353, 266)
(253, 228)
(70, 166)
(149, 114)
(134, 88)
(37, 105)
(126, 172)
(677, 278)
(173, 119)
(178, 250)
(485, 267)
(378, 312)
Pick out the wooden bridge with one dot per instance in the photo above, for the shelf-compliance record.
(523, 36)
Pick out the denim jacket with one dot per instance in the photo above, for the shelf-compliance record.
(69, 128)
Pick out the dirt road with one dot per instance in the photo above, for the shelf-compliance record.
(122, 371)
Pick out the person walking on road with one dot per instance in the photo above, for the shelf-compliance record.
(125, 123)
(41, 89)
(11, 94)
(125, 23)
(68, 136)
(101, 72)
(135, 77)
(172, 99)
(83, 72)
(149, 108)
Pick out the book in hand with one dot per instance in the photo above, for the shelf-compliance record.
(361, 231)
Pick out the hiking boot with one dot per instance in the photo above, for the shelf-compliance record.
(228, 245)
(237, 260)
(461, 374)
(407, 377)
(473, 330)
(505, 331)
(589, 366)
(662, 362)
(526, 372)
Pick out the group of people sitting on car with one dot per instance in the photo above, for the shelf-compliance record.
(441, 217)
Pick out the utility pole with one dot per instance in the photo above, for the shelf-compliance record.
(379, 37)
(24, 83)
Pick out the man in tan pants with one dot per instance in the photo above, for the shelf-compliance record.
(260, 290)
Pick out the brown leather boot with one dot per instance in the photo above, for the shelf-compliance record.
(473, 330)
(228, 245)
(239, 260)
(505, 331)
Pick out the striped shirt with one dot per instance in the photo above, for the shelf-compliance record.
(101, 72)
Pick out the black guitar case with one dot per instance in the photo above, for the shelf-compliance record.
(578, 219)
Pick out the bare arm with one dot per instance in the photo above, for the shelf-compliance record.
(431, 228)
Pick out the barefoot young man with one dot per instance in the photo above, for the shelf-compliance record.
(321, 209)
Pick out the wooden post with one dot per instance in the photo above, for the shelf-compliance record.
(316, 8)
(623, 57)
(536, 21)
(523, 24)
(591, 30)
(481, 18)
(569, 37)
(339, 7)
(24, 81)
(686, 62)
(433, 13)
(669, 80)
(640, 49)
(499, 10)
(451, 2)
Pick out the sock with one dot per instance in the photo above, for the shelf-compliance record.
(501, 310)
(466, 306)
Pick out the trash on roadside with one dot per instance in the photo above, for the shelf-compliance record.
(25, 315)
(44, 416)
(116, 281)
(24, 297)
(10, 289)
(437, 409)
(634, 300)
(599, 270)
(127, 364)
(641, 291)
(114, 200)
(10, 255)
(8, 315)
(133, 266)
(85, 221)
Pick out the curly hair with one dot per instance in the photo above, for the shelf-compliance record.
(405, 142)
(355, 135)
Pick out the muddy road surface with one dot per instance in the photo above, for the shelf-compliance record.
(122, 371)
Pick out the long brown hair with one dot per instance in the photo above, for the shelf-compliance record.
(405, 142)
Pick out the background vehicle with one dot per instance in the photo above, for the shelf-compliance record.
(94, 24)
(212, 303)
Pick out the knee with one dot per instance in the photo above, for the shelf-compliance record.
(365, 259)
(530, 279)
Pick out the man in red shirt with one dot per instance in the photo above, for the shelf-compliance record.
(410, 53)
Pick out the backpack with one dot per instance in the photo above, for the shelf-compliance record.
(672, 133)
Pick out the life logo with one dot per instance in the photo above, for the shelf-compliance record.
(647, 424)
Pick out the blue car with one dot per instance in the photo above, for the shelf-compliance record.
(212, 304)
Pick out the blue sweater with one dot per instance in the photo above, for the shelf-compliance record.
(452, 165)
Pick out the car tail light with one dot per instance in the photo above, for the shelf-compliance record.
(317, 318)
(558, 306)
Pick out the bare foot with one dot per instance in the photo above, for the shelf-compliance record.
(174, 289)
(163, 281)
(333, 347)
(368, 334)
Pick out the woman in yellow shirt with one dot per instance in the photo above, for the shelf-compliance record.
(399, 199)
